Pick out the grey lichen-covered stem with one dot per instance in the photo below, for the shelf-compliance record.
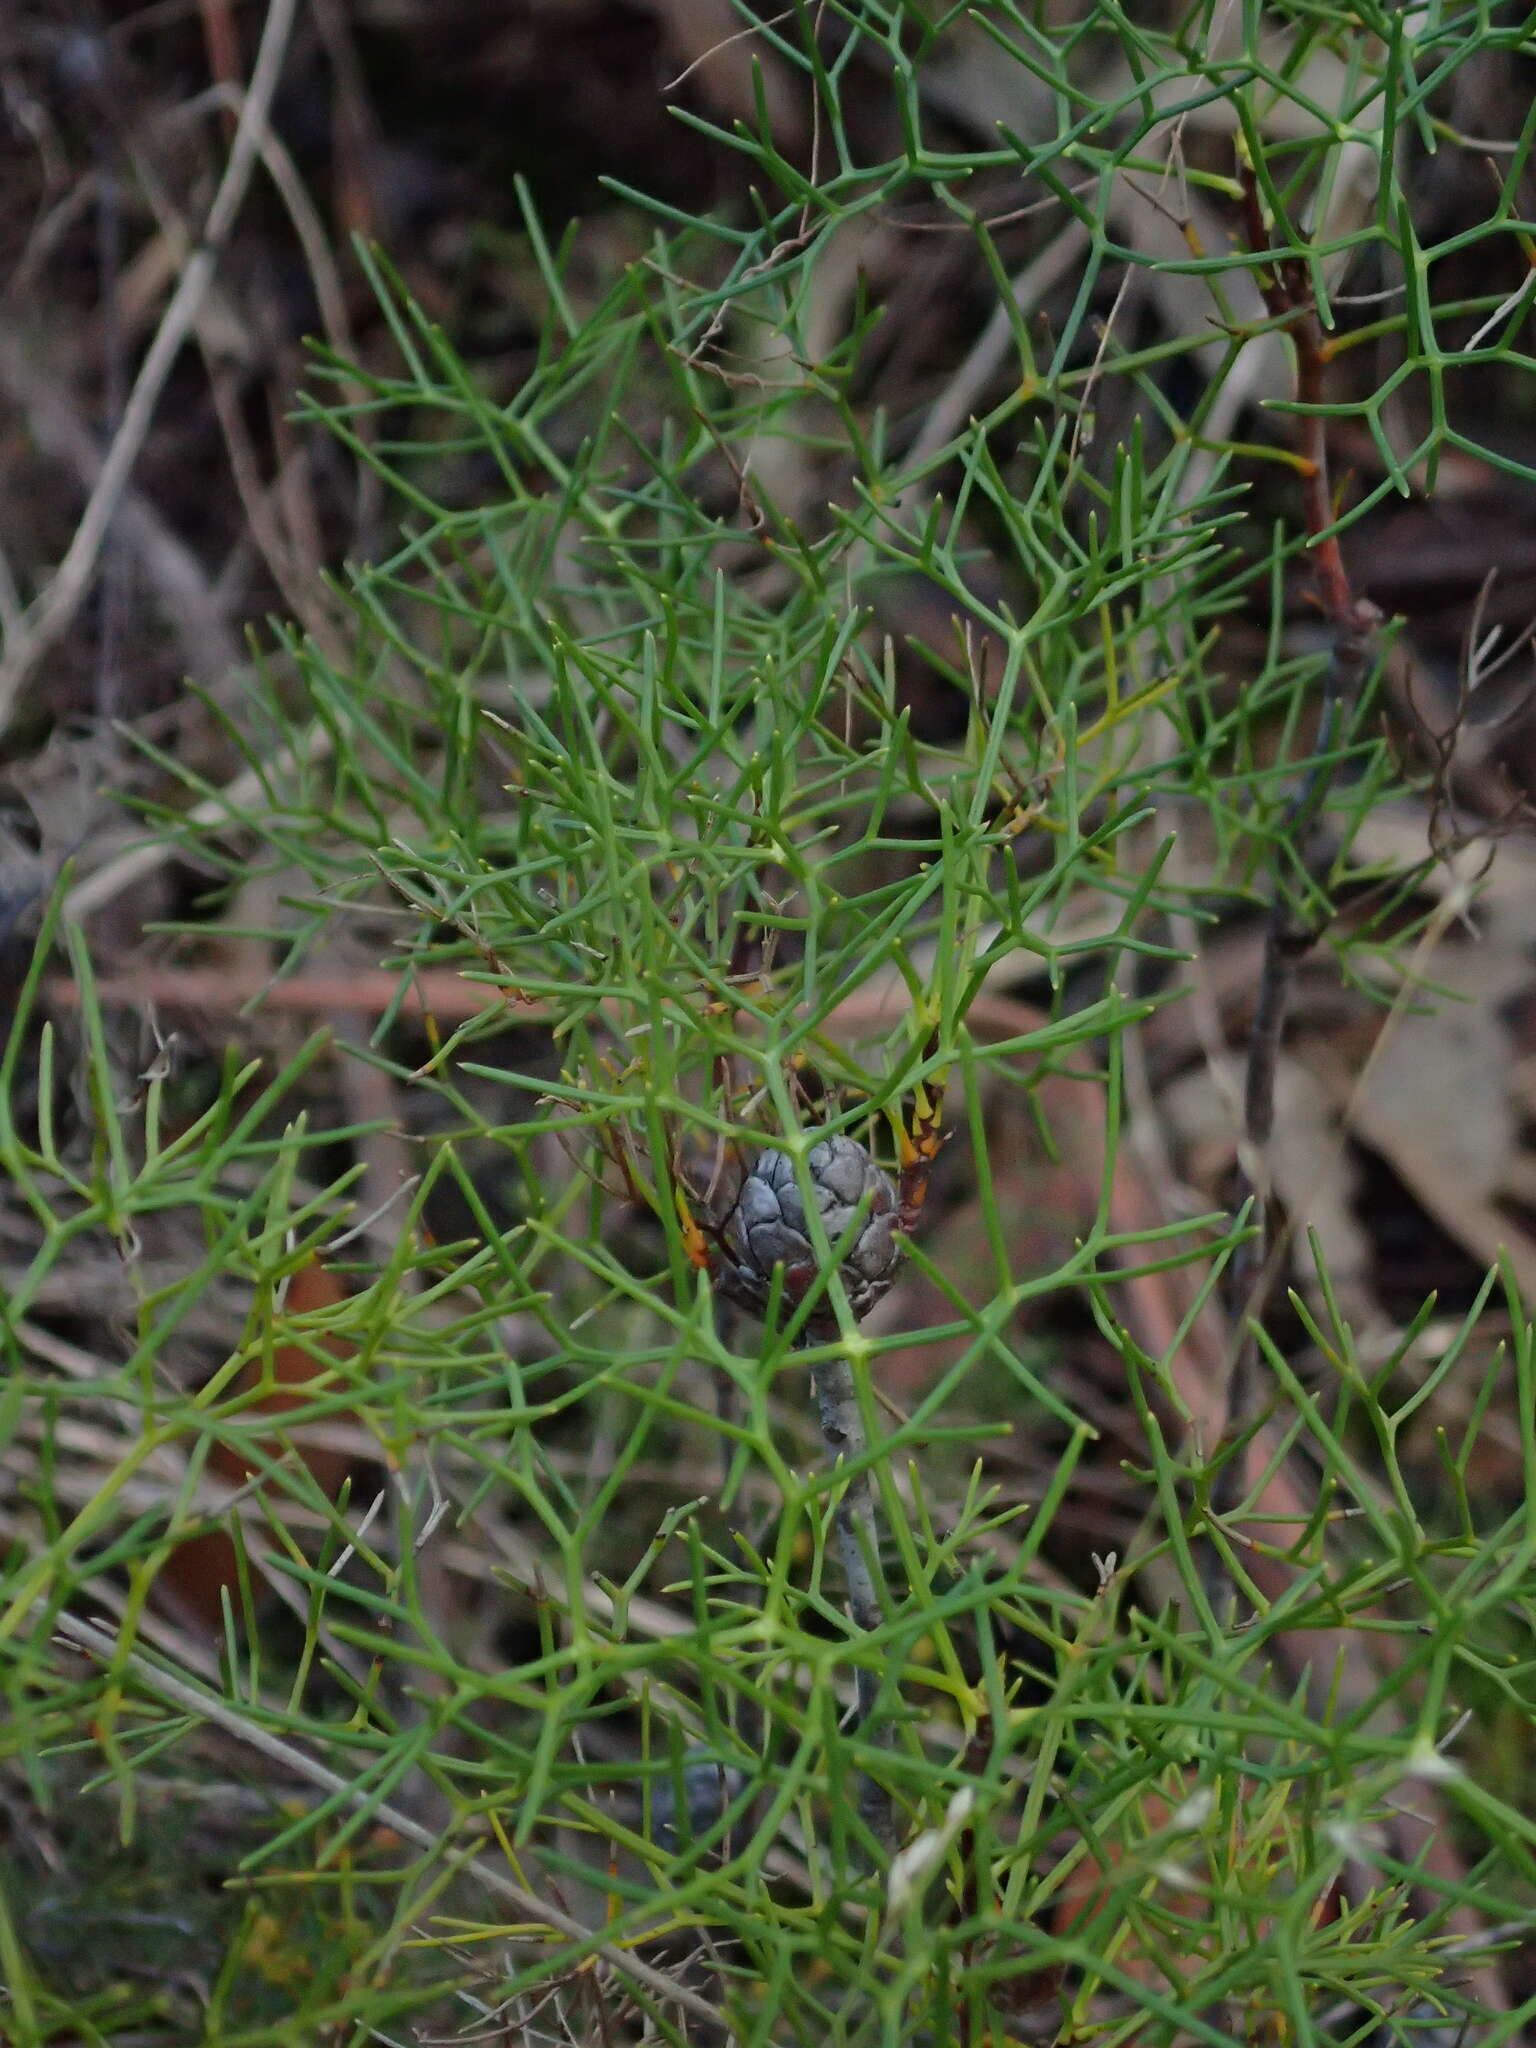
(770, 1233)
(858, 1541)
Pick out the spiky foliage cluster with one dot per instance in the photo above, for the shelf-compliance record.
(553, 1699)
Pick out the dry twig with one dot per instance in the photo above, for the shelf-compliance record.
(49, 616)
(207, 1706)
(1293, 924)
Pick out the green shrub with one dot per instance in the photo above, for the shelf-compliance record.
(635, 748)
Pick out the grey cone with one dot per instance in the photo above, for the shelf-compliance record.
(708, 1789)
(768, 1228)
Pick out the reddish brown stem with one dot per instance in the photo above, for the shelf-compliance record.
(1293, 923)
(220, 992)
(1286, 288)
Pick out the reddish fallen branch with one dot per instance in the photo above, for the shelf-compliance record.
(437, 993)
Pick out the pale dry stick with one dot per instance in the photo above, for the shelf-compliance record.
(355, 144)
(10, 599)
(47, 234)
(190, 609)
(277, 161)
(694, 29)
(51, 614)
(948, 415)
(163, 1632)
(116, 577)
(955, 405)
(110, 880)
(215, 1497)
(190, 1699)
(296, 570)
(298, 580)
(724, 43)
(162, 1479)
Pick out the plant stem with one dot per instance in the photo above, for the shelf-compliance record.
(1293, 924)
(858, 1539)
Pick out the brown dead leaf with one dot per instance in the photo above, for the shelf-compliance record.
(1434, 1098)
(199, 1571)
